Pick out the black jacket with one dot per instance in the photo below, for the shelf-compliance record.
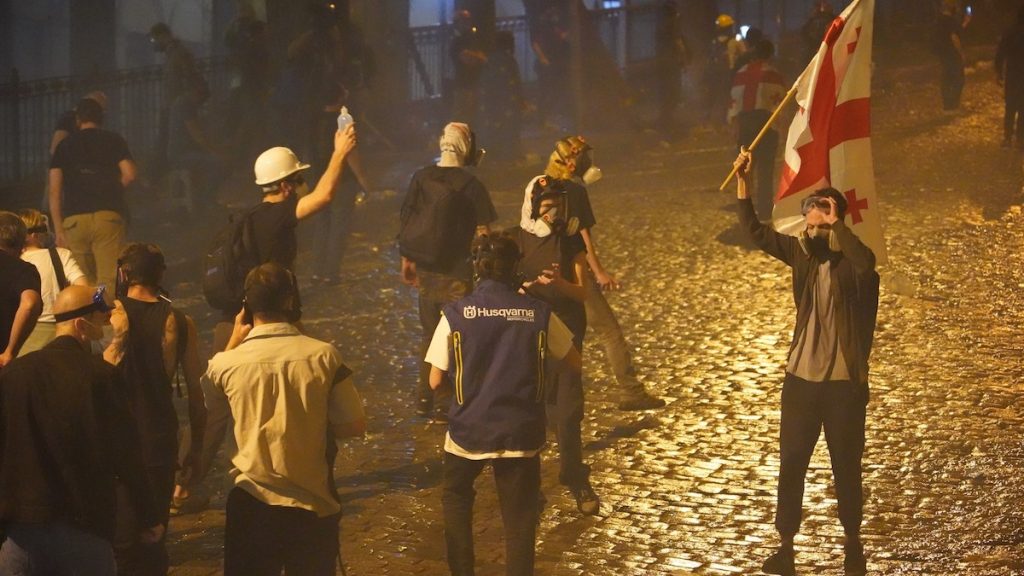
(854, 286)
(66, 439)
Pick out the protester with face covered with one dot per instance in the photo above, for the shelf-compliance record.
(835, 288)
(444, 208)
(554, 267)
(573, 165)
(57, 270)
(69, 441)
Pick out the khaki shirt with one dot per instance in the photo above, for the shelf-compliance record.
(287, 393)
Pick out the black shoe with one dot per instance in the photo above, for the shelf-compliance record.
(781, 563)
(855, 564)
(641, 402)
(586, 500)
(424, 406)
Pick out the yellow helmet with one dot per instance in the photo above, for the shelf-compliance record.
(724, 21)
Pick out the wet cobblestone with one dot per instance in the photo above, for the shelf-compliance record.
(690, 488)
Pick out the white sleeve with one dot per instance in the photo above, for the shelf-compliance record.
(437, 353)
(71, 269)
(559, 338)
(525, 221)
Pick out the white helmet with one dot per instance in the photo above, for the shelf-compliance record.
(276, 164)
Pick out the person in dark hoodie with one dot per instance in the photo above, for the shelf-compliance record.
(1010, 74)
(835, 288)
(69, 442)
(494, 345)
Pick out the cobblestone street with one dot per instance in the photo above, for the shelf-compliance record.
(690, 488)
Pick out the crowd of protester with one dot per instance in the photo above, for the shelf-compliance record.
(93, 351)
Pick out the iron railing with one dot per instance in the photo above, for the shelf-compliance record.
(29, 110)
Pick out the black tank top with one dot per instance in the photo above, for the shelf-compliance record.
(149, 386)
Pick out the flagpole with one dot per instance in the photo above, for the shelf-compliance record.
(767, 126)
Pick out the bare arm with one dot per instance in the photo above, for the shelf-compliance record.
(128, 172)
(604, 278)
(30, 307)
(437, 378)
(115, 351)
(322, 195)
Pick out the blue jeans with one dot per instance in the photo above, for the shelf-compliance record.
(56, 548)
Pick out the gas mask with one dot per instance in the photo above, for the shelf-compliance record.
(474, 156)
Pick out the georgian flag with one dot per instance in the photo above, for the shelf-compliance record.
(829, 141)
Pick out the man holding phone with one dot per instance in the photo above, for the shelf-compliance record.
(835, 287)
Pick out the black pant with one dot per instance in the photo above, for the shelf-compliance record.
(952, 80)
(135, 558)
(260, 539)
(435, 291)
(565, 405)
(840, 408)
(1013, 114)
(518, 483)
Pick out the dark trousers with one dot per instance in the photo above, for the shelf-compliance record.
(952, 80)
(135, 558)
(750, 123)
(807, 407)
(260, 539)
(1013, 114)
(565, 406)
(435, 291)
(518, 484)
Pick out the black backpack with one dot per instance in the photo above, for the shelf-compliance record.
(231, 256)
(433, 217)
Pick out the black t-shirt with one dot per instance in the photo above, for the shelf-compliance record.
(273, 225)
(90, 161)
(538, 255)
(579, 204)
(16, 276)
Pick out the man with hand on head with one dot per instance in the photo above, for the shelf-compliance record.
(69, 440)
(835, 287)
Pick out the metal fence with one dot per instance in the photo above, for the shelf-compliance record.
(30, 110)
(627, 34)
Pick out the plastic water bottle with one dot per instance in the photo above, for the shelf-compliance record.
(344, 119)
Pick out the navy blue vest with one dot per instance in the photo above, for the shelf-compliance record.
(497, 353)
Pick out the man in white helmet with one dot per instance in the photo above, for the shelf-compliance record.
(286, 200)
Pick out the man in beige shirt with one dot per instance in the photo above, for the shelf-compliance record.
(289, 395)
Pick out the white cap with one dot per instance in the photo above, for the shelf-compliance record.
(276, 164)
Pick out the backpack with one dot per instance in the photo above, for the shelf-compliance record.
(433, 226)
(231, 256)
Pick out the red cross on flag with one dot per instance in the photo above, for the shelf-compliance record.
(829, 141)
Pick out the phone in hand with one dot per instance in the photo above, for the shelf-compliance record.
(246, 314)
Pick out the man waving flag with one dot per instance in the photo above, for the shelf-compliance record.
(829, 143)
